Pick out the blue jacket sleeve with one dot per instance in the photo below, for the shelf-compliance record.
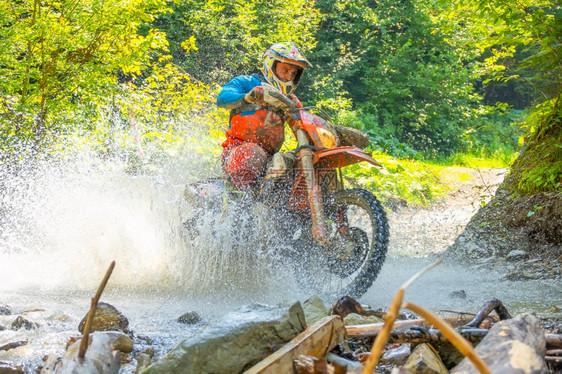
(232, 94)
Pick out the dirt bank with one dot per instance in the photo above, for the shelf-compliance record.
(420, 231)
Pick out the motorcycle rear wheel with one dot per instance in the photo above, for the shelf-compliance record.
(353, 258)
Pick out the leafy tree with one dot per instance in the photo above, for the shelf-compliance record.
(218, 39)
(504, 30)
(60, 58)
(405, 79)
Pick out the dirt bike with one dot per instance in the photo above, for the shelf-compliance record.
(340, 235)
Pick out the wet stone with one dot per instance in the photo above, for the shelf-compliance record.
(346, 305)
(189, 318)
(357, 319)
(143, 361)
(398, 355)
(460, 294)
(120, 341)
(12, 345)
(21, 322)
(314, 310)
(106, 318)
(425, 360)
(6, 368)
(234, 343)
(515, 254)
(5, 310)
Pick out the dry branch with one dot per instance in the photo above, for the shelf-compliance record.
(491, 305)
(91, 313)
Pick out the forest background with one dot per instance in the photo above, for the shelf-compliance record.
(433, 82)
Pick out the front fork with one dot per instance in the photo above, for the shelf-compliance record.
(319, 229)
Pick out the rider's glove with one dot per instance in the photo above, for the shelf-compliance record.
(295, 100)
(255, 95)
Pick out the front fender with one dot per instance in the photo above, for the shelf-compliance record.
(342, 156)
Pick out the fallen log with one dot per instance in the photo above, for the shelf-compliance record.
(372, 330)
(553, 341)
(316, 341)
(491, 305)
(418, 336)
(515, 345)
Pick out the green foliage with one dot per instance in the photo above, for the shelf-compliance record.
(540, 166)
(230, 36)
(416, 182)
(58, 60)
(407, 81)
(426, 79)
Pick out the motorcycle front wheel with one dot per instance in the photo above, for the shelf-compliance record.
(356, 250)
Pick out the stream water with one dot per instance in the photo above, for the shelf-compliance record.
(61, 226)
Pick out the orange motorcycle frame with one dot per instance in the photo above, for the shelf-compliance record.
(315, 162)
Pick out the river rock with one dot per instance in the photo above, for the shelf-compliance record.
(515, 254)
(450, 355)
(357, 319)
(106, 318)
(100, 358)
(143, 361)
(425, 360)
(346, 305)
(314, 310)
(120, 341)
(189, 318)
(460, 294)
(21, 322)
(6, 368)
(12, 345)
(235, 342)
(398, 355)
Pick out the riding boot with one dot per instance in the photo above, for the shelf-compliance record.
(279, 164)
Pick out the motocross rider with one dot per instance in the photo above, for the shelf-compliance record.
(256, 131)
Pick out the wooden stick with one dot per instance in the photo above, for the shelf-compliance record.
(454, 337)
(493, 304)
(371, 330)
(382, 337)
(91, 313)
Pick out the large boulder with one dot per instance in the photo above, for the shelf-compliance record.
(234, 343)
(106, 318)
(314, 310)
